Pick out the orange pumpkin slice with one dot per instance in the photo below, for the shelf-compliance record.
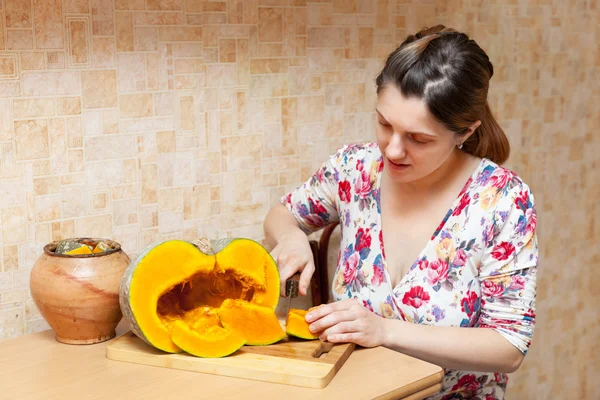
(297, 326)
(213, 342)
(258, 324)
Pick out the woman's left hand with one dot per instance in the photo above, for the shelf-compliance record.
(347, 321)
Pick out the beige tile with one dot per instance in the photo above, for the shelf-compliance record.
(48, 24)
(126, 191)
(146, 39)
(235, 11)
(180, 34)
(102, 17)
(164, 103)
(187, 113)
(2, 35)
(32, 60)
(152, 71)
(125, 212)
(9, 66)
(124, 25)
(130, 5)
(189, 66)
(149, 184)
(110, 147)
(50, 83)
(73, 202)
(170, 200)
(46, 185)
(103, 52)
(47, 208)
(268, 65)
(159, 18)
(227, 50)
(270, 23)
(33, 108)
(32, 139)
(99, 88)
(63, 229)
(59, 163)
(94, 226)
(325, 37)
(56, 60)
(74, 132)
(76, 6)
(68, 105)
(165, 5)
(12, 323)
(99, 201)
(188, 49)
(76, 162)
(131, 73)
(9, 167)
(6, 121)
(14, 225)
(11, 258)
(19, 39)
(110, 121)
(135, 105)
(166, 142)
(78, 37)
(18, 14)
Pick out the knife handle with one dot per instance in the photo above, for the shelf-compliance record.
(291, 285)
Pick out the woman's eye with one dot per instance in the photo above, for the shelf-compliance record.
(419, 140)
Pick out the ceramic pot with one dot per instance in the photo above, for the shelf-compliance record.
(78, 295)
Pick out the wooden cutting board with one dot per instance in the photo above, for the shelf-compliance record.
(289, 361)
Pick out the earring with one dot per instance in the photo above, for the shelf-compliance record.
(460, 146)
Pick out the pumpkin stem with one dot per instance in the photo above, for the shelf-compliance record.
(204, 245)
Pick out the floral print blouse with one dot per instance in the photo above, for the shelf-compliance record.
(477, 270)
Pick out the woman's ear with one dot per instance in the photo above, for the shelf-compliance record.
(470, 131)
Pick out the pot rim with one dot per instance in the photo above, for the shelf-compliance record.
(115, 247)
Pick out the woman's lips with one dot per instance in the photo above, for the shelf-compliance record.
(397, 165)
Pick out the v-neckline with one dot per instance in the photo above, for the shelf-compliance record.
(431, 239)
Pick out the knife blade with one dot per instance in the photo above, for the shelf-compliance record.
(291, 289)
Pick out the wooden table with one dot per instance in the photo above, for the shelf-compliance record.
(38, 367)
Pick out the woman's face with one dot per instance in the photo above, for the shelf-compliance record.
(413, 143)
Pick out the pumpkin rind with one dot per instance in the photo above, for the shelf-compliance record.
(176, 280)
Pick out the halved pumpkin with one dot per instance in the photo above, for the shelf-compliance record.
(258, 324)
(297, 326)
(177, 281)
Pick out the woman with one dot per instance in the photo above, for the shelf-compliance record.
(436, 159)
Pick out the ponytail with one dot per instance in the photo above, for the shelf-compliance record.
(488, 140)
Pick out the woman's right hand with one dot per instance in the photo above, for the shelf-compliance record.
(293, 254)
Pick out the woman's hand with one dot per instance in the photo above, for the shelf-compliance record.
(292, 254)
(347, 321)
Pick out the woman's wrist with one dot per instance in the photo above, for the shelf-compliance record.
(390, 331)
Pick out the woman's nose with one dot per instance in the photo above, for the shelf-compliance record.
(395, 149)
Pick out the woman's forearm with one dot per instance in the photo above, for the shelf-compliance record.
(466, 349)
(278, 222)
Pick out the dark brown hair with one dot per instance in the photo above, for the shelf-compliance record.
(451, 73)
